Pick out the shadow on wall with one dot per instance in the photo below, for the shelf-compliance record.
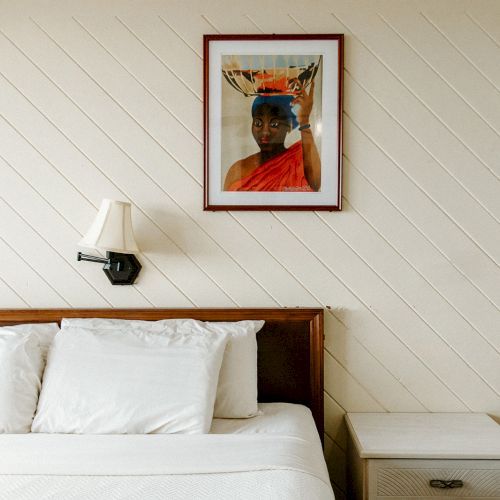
(335, 427)
(175, 237)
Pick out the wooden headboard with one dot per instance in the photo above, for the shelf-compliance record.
(290, 345)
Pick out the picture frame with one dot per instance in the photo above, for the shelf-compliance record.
(273, 122)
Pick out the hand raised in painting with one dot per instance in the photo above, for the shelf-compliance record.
(303, 103)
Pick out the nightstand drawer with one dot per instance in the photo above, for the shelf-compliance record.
(411, 479)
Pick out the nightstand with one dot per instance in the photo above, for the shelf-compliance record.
(396, 456)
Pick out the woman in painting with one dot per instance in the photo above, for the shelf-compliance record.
(275, 167)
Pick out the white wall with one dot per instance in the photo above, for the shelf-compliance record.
(104, 99)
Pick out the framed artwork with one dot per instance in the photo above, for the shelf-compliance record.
(273, 122)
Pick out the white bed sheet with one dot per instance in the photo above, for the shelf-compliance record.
(276, 455)
(274, 418)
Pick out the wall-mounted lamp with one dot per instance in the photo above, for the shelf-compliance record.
(112, 231)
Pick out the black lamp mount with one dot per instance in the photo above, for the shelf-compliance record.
(120, 268)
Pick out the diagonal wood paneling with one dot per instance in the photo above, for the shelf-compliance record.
(105, 100)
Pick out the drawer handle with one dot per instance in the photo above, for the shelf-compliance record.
(443, 483)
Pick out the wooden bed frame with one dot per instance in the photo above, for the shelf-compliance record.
(290, 345)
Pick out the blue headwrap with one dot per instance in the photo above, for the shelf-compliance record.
(282, 101)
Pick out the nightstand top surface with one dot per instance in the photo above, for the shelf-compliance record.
(425, 435)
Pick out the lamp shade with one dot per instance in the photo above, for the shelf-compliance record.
(112, 229)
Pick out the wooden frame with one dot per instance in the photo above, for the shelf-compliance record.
(287, 73)
(290, 345)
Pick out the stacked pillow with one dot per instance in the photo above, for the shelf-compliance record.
(23, 350)
(107, 376)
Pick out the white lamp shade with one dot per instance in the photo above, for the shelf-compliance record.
(112, 229)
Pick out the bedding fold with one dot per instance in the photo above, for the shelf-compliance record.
(135, 455)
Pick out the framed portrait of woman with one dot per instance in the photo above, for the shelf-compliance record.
(273, 122)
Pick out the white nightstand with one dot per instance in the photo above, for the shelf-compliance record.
(396, 456)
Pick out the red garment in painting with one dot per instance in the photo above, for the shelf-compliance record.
(283, 172)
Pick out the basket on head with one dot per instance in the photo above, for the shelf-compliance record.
(254, 75)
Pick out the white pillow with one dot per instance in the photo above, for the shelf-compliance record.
(133, 381)
(237, 386)
(23, 350)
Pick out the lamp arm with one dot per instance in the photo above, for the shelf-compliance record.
(92, 258)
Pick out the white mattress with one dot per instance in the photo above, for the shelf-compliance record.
(275, 418)
(276, 455)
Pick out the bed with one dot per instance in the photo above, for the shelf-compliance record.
(276, 454)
